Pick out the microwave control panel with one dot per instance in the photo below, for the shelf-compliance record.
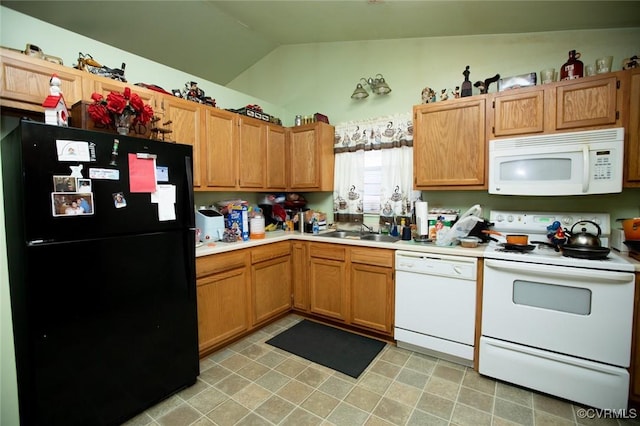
(602, 165)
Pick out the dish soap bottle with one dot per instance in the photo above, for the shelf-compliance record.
(315, 227)
(572, 68)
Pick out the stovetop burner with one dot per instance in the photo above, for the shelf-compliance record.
(534, 226)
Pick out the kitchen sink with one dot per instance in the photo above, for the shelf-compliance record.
(379, 237)
(342, 234)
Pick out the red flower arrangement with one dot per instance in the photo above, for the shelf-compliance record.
(104, 110)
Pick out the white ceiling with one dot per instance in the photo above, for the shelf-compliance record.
(218, 40)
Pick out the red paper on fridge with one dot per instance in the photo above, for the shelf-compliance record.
(142, 173)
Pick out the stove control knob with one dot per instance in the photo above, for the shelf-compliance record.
(499, 218)
(567, 221)
(510, 218)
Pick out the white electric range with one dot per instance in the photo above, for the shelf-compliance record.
(557, 324)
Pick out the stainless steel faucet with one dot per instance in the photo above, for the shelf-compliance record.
(368, 228)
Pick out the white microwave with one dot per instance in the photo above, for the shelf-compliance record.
(576, 163)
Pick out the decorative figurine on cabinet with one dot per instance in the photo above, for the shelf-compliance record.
(443, 95)
(632, 62)
(456, 92)
(466, 84)
(428, 95)
(484, 85)
(55, 109)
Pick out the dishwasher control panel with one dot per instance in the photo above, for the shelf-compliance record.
(435, 264)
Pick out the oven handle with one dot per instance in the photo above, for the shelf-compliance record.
(561, 271)
(585, 168)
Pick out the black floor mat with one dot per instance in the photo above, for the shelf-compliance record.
(340, 350)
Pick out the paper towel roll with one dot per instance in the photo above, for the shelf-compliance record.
(422, 219)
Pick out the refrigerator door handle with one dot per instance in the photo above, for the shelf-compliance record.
(191, 204)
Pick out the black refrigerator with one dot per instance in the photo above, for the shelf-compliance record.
(101, 252)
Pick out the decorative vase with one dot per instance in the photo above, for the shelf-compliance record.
(123, 122)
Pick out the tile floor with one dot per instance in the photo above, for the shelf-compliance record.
(253, 383)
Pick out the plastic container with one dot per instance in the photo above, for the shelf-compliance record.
(469, 242)
(256, 227)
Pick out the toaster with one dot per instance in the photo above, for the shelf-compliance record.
(211, 224)
(617, 241)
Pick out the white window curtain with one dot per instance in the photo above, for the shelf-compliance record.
(374, 168)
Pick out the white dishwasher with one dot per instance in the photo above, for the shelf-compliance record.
(436, 304)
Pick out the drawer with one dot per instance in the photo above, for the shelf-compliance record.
(327, 251)
(270, 251)
(215, 263)
(369, 256)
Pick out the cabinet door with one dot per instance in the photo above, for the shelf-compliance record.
(276, 174)
(372, 297)
(219, 153)
(271, 288)
(252, 153)
(24, 81)
(299, 281)
(518, 114)
(449, 150)
(632, 156)
(372, 289)
(328, 291)
(588, 103)
(187, 127)
(222, 307)
(304, 166)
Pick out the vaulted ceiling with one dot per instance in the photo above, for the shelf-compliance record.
(218, 40)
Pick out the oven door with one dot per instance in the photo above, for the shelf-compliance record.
(575, 311)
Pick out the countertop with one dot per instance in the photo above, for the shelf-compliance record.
(276, 236)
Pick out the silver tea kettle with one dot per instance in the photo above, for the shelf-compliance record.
(584, 238)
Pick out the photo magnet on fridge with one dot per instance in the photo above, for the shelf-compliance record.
(71, 204)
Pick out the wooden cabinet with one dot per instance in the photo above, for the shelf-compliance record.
(24, 81)
(276, 159)
(311, 157)
(222, 283)
(353, 285)
(328, 290)
(518, 112)
(591, 102)
(632, 145)
(270, 281)
(449, 149)
(251, 153)
(219, 153)
(634, 387)
(372, 290)
(187, 127)
(299, 279)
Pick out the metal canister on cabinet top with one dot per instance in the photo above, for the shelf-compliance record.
(298, 121)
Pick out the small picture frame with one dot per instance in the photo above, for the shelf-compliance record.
(71, 204)
(118, 200)
(84, 185)
(65, 184)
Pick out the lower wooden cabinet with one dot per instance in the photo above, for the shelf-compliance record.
(222, 290)
(328, 291)
(270, 281)
(372, 291)
(353, 285)
(299, 278)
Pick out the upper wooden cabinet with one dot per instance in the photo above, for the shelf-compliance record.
(187, 125)
(277, 159)
(24, 81)
(311, 157)
(449, 149)
(219, 151)
(252, 153)
(632, 137)
(591, 102)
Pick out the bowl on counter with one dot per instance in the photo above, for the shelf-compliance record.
(469, 242)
